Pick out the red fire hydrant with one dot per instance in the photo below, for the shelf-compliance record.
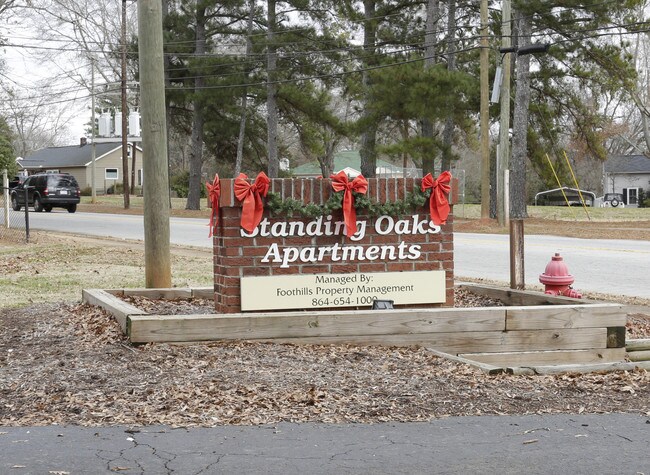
(557, 280)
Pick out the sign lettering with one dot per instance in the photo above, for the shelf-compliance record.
(326, 226)
(341, 290)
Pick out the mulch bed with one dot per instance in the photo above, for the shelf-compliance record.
(70, 364)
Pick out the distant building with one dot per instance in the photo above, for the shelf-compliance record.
(77, 160)
(628, 175)
(350, 162)
(556, 197)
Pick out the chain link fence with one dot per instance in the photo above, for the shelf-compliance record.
(13, 224)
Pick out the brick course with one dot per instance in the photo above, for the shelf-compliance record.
(236, 256)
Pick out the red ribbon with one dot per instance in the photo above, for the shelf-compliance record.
(251, 197)
(340, 182)
(438, 204)
(214, 192)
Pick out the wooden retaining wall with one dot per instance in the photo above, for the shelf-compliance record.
(560, 331)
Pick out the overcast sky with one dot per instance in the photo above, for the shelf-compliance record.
(26, 76)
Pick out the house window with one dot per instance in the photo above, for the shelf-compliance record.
(140, 177)
(631, 196)
(111, 174)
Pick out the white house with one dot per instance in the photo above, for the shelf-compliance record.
(77, 160)
(628, 175)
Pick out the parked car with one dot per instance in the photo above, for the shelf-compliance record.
(46, 191)
(614, 200)
(15, 181)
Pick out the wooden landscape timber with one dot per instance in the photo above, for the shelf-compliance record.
(638, 350)
(536, 331)
(541, 358)
(512, 297)
(638, 345)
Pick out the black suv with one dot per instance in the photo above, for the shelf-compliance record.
(46, 191)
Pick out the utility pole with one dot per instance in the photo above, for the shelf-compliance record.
(485, 124)
(518, 211)
(125, 156)
(503, 157)
(93, 155)
(154, 144)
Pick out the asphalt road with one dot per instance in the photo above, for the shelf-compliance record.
(609, 266)
(616, 266)
(548, 444)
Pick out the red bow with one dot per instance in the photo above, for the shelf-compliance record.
(251, 197)
(340, 182)
(438, 204)
(214, 192)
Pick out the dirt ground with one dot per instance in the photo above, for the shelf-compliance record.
(68, 363)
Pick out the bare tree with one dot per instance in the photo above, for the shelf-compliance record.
(5, 5)
(37, 121)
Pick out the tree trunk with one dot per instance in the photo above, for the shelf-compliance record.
(327, 161)
(448, 132)
(430, 36)
(168, 122)
(244, 97)
(368, 150)
(503, 161)
(125, 132)
(133, 168)
(485, 113)
(404, 126)
(520, 124)
(646, 130)
(271, 92)
(196, 154)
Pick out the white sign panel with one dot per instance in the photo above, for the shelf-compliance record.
(306, 291)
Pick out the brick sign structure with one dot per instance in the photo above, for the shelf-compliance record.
(303, 263)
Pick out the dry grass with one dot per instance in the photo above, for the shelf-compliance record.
(54, 268)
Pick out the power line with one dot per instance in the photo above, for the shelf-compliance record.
(357, 70)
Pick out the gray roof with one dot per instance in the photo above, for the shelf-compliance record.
(627, 164)
(68, 156)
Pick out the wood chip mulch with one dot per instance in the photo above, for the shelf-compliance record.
(70, 364)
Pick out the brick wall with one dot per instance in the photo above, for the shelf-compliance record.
(236, 256)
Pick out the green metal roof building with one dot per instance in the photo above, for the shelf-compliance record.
(350, 161)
